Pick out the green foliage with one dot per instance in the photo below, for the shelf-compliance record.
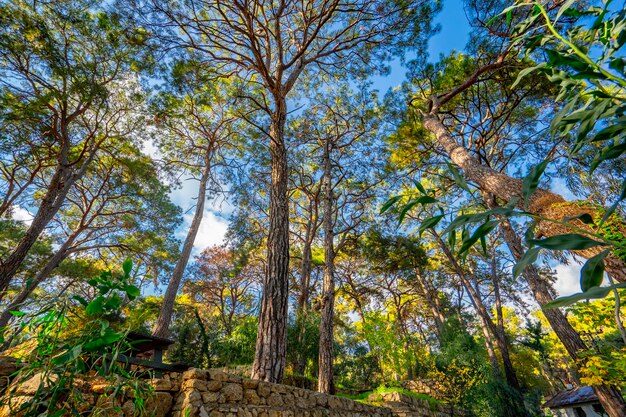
(76, 337)
(303, 335)
(364, 396)
(202, 342)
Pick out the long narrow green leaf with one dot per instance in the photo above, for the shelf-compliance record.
(531, 181)
(389, 203)
(592, 294)
(568, 241)
(592, 273)
(529, 258)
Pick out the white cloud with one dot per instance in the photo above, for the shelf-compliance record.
(212, 231)
(213, 226)
(21, 214)
(568, 279)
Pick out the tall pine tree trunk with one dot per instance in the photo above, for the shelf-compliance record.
(609, 396)
(43, 273)
(430, 296)
(542, 203)
(484, 317)
(161, 328)
(269, 359)
(325, 377)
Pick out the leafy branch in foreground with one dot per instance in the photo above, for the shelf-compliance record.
(70, 340)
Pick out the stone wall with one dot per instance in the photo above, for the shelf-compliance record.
(213, 393)
(429, 387)
(402, 405)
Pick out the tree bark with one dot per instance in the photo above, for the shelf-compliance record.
(269, 359)
(59, 186)
(325, 362)
(503, 344)
(27, 289)
(609, 396)
(432, 301)
(303, 297)
(483, 314)
(161, 328)
(542, 202)
(484, 326)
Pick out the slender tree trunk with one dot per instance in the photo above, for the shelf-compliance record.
(60, 184)
(433, 302)
(161, 328)
(503, 344)
(483, 314)
(325, 378)
(27, 289)
(543, 203)
(269, 359)
(484, 325)
(303, 297)
(609, 396)
(617, 313)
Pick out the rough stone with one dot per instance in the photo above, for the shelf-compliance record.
(233, 392)
(159, 404)
(161, 384)
(274, 400)
(250, 383)
(194, 384)
(217, 375)
(251, 397)
(200, 393)
(195, 373)
(264, 389)
(30, 386)
(214, 385)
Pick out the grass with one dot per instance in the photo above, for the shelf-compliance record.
(363, 397)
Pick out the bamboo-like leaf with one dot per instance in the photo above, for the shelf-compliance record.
(429, 223)
(584, 217)
(529, 258)
(458, 178)
(592, 273)
(531, 181)
(568, 241)
(127, 266)
(482, 231)
(593, 293)
(389, 203)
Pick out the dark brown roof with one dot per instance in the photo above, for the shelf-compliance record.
(574, 396)
(145, 342)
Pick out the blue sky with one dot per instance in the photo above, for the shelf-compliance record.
(452, 36)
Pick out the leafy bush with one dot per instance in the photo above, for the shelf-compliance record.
(76, 338)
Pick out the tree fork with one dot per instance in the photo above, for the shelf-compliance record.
(543, 203)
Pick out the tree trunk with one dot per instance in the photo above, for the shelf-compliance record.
(161, 328)
(484, 325)
(52, 263)
(269, 358)
(303, 297)
(609, 396)
(483, 314)
(542, 203)
(433, 302)
(325, 362)
(60, 184)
